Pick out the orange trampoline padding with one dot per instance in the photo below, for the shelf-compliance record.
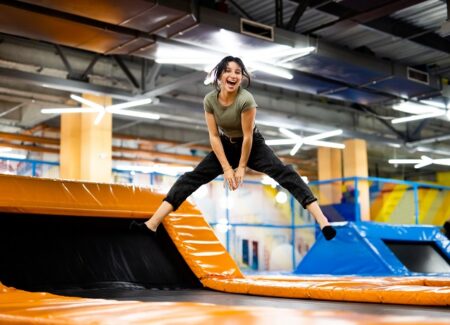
(20, 194)
(21, 307)
(407, 291)
(193, 236)
(200, 247)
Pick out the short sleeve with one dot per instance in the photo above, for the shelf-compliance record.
(248, 102)
(207, 105)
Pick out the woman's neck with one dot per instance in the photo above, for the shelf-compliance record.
(226, 96)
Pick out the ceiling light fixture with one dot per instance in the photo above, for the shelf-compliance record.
(422, 110)
(271, 60)
(415, 108)
(210, 62)
(422, 162)
(314, 140)
(93, 107)
(417, 117)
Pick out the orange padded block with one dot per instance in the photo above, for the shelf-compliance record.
(353, 279)
(19, 194)
(200, 247)
(193, 236)
(407, 291)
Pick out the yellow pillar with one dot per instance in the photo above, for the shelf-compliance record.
(329, 167)
(86, 149)
(443, 178)
(356, 164)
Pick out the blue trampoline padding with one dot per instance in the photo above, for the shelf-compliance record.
(359, 249)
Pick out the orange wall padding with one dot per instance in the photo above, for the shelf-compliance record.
(21, 307)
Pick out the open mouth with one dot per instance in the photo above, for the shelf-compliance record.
(231, 83)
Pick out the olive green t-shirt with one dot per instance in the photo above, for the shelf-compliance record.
(228, 118)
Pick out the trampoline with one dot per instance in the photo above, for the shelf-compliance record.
(68, 256)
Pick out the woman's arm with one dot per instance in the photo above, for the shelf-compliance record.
(216, 145)
(248, 123)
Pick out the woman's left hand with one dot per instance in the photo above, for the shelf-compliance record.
(239, 175)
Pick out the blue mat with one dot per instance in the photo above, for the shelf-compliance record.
(379, 249)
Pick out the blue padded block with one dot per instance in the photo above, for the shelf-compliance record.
(359, 249)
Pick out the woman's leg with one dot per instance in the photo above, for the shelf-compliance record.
(264, 160)
(163, 210)
(208, 169)
(324, 225)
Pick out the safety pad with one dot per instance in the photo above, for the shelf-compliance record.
(379, 249)
(200, 247)
(192, 235)
(405, 291)
(20, 194)
(21, 307)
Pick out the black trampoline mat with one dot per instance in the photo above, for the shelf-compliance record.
(228, 299)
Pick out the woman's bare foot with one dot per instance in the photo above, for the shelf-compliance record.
(163, 210)
(151, 226)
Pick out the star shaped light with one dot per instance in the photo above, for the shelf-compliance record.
(101, 110)
(299, 141)
(422, 162)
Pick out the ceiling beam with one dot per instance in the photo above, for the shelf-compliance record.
(279, 13)
(175, 84)
(298, 13)
(13, 109)
(64, 84)
(28, 138)
(29, 148)
(130, 77)
(75, 18)
(240, 9)
(430, 140)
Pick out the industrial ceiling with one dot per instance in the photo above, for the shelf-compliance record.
(367, 56)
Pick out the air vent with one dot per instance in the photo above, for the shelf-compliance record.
(255, 29)
(418, 76)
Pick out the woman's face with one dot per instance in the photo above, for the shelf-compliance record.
(231, 77)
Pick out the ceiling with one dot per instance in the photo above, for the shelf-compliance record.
(358, 70)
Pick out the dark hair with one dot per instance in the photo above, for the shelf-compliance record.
(222, 66)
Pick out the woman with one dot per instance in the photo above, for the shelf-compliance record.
(236, 143)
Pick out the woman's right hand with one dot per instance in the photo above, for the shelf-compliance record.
(229, 179)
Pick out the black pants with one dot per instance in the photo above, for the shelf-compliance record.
(262, 159)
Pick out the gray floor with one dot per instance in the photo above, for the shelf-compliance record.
(219, 298)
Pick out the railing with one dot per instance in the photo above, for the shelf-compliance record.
(387, 200)
(27, 167)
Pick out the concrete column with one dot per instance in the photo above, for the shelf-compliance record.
(356, 164)
(329, 167)
(86, 149)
